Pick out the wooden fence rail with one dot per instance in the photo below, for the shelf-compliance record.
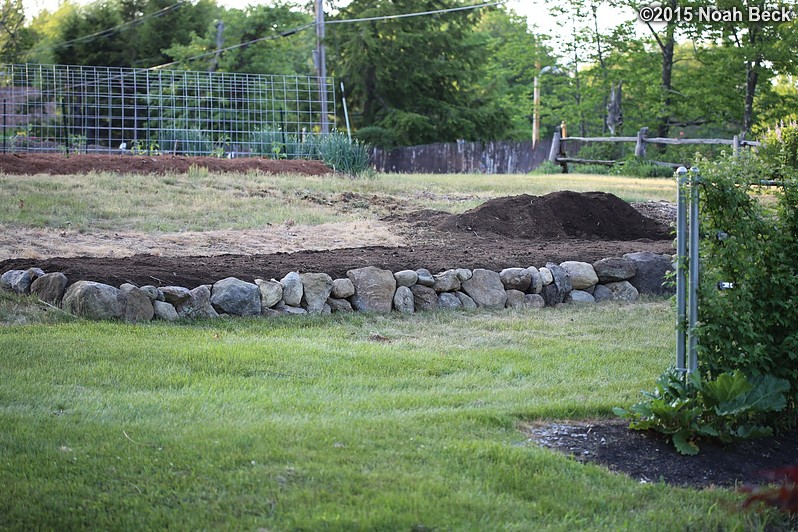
(558, 155)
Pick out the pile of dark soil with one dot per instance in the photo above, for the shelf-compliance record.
(57, 164)
(587, 215)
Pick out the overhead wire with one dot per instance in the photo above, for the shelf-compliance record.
(116, 29)
(332, 21)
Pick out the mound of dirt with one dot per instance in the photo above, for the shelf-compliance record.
(586, 215)
(57, 164)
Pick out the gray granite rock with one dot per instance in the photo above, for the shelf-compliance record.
(581, 274)
(403, 300)
(651, 273)
(95, 301)
(615, 269)
(424, 298)
(292, 289)
(50, 287)
(405, 278)
(374, 289)
(236, 297)
(449, 301)
(342, 289)
(271, 292)
(516, 278)
(316, 288)
(486, 289)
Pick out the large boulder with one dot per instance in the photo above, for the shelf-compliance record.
(405, 278)
(467, 302)
(536, 281)
(403, 300)
(342, 289)
(447, 281)
(515, 299)
(138, 305)
(374, 289)
(176, 295)
(292, 289)
(424, 277)
(19, 281)
(95, 301)
(615, 269)
(339, 305)
(449, 301)
(580, 296)
(50, 287)
(271, 292)
(236, 297)
(486, 289)
(652, 270)
(164, 311)
(621, 291)
(516, 278)
(581, 274)
(316, 287)
(198, 305)
(560, 281)
(424, 297)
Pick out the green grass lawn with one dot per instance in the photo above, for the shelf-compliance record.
(316, 423)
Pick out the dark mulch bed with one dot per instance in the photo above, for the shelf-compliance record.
(649, 457)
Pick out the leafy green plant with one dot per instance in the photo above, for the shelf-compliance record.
(186, 141)
(636, 167)
(780, 147)
(728, 408)
(547, 168)
(343, 155)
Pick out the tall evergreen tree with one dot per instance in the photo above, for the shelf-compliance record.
(415, 80)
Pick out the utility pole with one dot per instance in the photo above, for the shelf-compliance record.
(321, 65)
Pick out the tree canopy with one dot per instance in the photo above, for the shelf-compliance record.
(450, 73)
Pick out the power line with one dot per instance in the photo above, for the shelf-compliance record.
(116, 29)
(419, 14)
(312, 24)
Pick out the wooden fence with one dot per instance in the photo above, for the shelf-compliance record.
(557, 153)
(496, 157)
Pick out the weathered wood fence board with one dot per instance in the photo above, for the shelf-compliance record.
(496, 157)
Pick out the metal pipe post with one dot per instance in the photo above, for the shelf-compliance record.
(681, 262)
(692, 338)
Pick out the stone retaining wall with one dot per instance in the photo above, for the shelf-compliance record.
(367, 289)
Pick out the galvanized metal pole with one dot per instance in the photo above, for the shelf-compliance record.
(346, 113)
(681, 262)
(322, 66)
(692, 337)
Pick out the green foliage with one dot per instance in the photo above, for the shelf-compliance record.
(780, 147)
(376, 136)
(188, 141)
(337, 152)
(546, 168)
(421, 78)
(748, 335)
(687, 408)
(636, 167)
(754, 326)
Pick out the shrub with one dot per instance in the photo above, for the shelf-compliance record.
(636, 167)
(343, 155)
(749, 333)
(780, 147)
(546, 168)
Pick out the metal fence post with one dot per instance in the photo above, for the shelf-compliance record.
(692, 337)
(681, 262)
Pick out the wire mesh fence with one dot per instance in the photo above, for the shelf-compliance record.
(87, 109)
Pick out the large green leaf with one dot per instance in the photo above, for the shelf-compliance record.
(683, 444)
